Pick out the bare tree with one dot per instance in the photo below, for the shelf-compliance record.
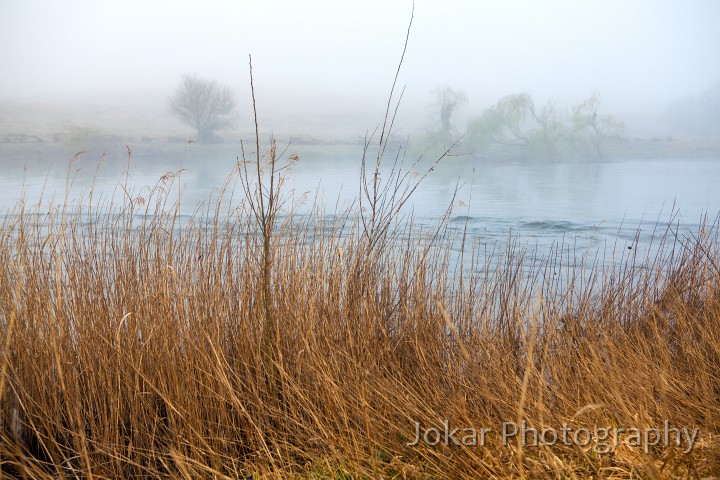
(448, 100)
(204, 105)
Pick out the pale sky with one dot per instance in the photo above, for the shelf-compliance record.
(322, 55)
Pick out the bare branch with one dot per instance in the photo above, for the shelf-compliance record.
(204, 105)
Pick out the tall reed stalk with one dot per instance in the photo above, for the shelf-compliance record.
(240, 342)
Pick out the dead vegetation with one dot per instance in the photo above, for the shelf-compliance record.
(241, 343)
(247, 343)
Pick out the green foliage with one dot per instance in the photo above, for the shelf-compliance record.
(515, 126)
(588, 130)
(502, 124)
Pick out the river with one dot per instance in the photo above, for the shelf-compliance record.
(614, 203)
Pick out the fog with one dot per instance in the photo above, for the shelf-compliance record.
(329, 65)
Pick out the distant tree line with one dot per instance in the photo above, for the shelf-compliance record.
(516, 126)
(697, 114)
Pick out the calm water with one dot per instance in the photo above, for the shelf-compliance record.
(581, 204)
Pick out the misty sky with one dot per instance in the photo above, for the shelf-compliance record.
(639, 55)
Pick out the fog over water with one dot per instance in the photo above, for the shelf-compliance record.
(318, 61)
(96, 76)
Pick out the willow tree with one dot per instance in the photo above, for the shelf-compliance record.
(203, 104)
(589, 131)
(516, 126)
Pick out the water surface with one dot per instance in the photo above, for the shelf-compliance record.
(577, 203)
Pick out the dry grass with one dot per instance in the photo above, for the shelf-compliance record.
(133, 346)
(245, 343)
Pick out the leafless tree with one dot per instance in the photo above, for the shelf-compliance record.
(204, 105)
(448, 101)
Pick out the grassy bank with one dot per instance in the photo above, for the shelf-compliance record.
(34, 150)
(243, 343)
